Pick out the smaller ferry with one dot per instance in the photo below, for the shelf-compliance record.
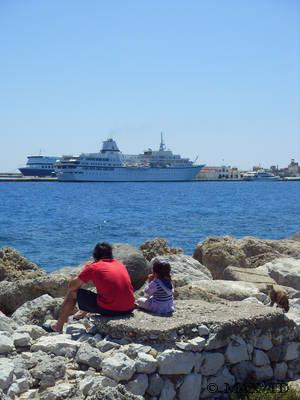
(39, 166)
(260, 175)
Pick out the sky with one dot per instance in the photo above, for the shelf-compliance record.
(220, 78)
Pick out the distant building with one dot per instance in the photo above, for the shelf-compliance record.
(293, 168)
(216, 173)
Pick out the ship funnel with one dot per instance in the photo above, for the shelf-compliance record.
(162, 146)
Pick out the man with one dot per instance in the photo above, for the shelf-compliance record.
(114, 296)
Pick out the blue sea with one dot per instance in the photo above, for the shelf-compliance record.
(58, 224)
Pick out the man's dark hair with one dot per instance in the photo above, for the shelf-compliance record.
(102, 251)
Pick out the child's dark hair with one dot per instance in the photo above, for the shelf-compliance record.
(162, 269)
(102, 251)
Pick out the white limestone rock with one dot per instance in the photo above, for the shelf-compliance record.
(175, 362)
(195, 344)
(203, 330)
(168, 391)
(285, 271)
(34, 331)
(6, 372)
(236, 351)
(191, 387)
(118, 367)
(260, 358)
(6, 324)
(210, 363)
(106, 345)
(61, 391)
(214, 342)
(145, 363)
(220, 382)
(60, 345)
(6, 343)
(138, 385)
(49, 370)
(88, 355)
(22, 339)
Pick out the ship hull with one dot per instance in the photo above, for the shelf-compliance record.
(36, 172)
(128, 174)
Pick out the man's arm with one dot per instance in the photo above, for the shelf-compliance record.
(75, 284)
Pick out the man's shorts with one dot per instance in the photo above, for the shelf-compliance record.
(87, 301)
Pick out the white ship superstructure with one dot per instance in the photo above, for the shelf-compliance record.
(110, 165)
(260, 175)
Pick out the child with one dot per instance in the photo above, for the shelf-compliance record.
(159, 290)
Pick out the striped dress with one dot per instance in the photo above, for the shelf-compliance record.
(158, 298)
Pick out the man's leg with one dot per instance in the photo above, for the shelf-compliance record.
(66, 310)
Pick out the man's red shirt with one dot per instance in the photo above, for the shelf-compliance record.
(113, 284)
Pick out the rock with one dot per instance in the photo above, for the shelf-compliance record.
(222, 380)
(242, 371)
(195, 292)
(34, 331)
(217, 253)
(6, 343)
(261, 374)
(220, 289)
(137, 266)
(106, 345)
(6, 373)
(6, 324)
(195, 344)
(260, 358)
(22, 339)
(138, 385)
(203, 330)
(210, 363)
(60, 345)
(296, 237)
(280, 371)
(90, 356)
(292, 351)
(185, 269)
(236, 351)
(168, 391)
(13, 266)
(285, 271)
(14, 294)
(92, 383)
(48, 371)
(175, 362)
(263, 342)
(253, 275)
(118, 367)
(145, 363)
(61, 391)
(37, 311)
(158, 247)
(156, 384)
(112, 393)
(215, 342)
(191, 387)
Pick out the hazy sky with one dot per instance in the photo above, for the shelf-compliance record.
(220, 78)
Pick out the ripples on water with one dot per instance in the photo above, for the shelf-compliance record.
(58, 224)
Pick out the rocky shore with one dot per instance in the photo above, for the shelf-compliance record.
(222, 335)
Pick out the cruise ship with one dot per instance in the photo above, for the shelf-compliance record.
(39, 166)
(110, 165)
(260, 175)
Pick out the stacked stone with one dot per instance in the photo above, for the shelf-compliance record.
(78, 365)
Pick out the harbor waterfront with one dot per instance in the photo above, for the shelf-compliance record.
(56, 224)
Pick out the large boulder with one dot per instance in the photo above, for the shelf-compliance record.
(217, 253)
(158, 247)
(285, 271)
(13, 266)
(136, 264)
(254, 275)
(213, 291)
(185, 269)
(14, 294)
(38, 311)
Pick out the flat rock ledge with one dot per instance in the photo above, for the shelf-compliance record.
(222, 319)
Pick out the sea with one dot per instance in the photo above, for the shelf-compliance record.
(57, 224)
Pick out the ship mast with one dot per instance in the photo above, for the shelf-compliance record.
(162, 146)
